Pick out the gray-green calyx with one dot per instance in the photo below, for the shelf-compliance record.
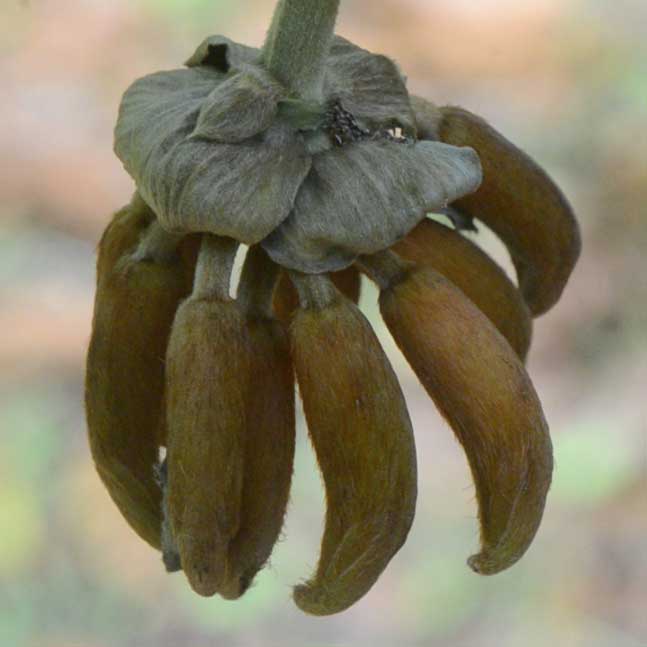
(288, 146)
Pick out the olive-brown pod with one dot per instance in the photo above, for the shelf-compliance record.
(361, 432)
(270, 435)
(482, 389)
(207, 392)
(521, 204)
(136, 300)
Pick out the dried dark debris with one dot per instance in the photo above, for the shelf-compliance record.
(343, 128)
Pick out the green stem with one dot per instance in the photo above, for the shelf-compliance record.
(298, 43)
(213, 270)
(316, 291)
(385, 268)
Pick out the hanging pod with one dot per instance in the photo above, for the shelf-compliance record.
(207, 383)
(140, 282)
(517, 200)
(270, 436)
(482, 389)
(361, 432)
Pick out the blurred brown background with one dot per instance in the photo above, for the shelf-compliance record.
(566, 80)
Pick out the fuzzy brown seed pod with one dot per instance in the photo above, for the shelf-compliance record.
(135, 304)
(475, 274)
(208, 373)
(520, 202)
(269, 454)
(270, 435)
(286, 300)
(207, 382)
(361, 432)
(482, 389)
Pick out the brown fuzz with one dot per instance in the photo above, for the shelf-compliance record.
(286, 300)
(269, 455)
(521, 203)
(207, 394)
(135, 303)
(475, 274)
(207, 380)
(361, 432)
(269, 443)
(480, 386)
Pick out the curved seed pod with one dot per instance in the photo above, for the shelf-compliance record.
(483, 391)
(207, 384)
(524, 207)
(139, 287)
(269, 443)
(286, 299)
(361, 432)
(475, 274)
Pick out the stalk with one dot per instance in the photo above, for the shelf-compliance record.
(213, 270)
(316, 291)
(298, 43)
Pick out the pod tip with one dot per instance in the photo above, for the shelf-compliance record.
(491, 562)
(204, 566)
(315, 601)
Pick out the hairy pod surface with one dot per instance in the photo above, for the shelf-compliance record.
(286, 299)
(269, 454)
(361, 432)
(134, 307)
(482, 389)
(475, 274)
(522, 205)
(207, 392)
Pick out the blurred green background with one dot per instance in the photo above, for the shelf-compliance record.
(566, 80)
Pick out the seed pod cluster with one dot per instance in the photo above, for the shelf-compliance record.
(325, 165)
